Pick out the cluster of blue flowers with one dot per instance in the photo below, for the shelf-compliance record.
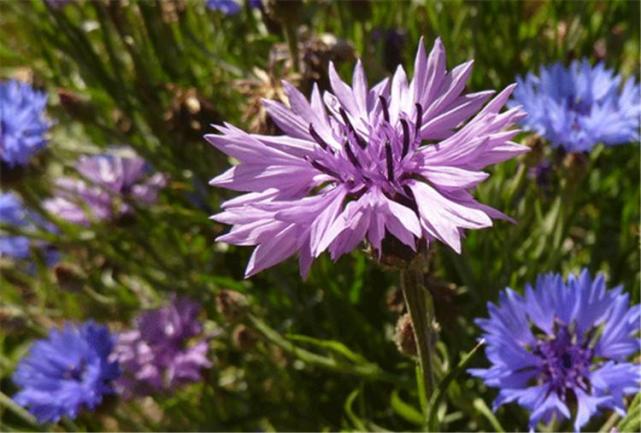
(231, 7)
(23, 124)
(562, 343)
(66, 372)
(579, 106)
(13, 213)
(75, 367)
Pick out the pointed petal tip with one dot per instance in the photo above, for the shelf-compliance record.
(421, 46)
(217, 181)
(304, 273)
(265, 101)
(331, 68)
(250, 271)
(456, 247)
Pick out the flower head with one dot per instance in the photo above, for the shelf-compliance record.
(22, 122)
(579, 106)
(110, 180)
(360, 164)
(66, 372)
(13, 213)
(227, 7)
(562, 346)
(158, 354)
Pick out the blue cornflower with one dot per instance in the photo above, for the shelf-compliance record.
(13, 213)
(562, 348)
(66, 372)
(578, 106)
(227, 7)
(22, 122)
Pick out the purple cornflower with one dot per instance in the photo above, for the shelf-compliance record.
(66, 372)
(360, 164)
(562, 348)
(159, 354)
(13, 213)
(227, 7)
(22, 122)
(110, 181)
(579, 106)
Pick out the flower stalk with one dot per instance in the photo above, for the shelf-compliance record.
(292, 44)
(421, 309)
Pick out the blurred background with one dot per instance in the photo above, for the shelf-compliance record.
(290, 354)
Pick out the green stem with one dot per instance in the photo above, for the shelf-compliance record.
(366, 370)
(7, 402)
(517, 181)
(481, 407)
(292, 43)
(441, 390)
(610, 423)
(420, 306)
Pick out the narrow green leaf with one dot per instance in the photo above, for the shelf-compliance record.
(350, 412)
(17, 410)
(439, 393)
(481, 407)
(405, 410)
(331, 345)
(632, 421)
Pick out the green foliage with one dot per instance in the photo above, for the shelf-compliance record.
(154, 75)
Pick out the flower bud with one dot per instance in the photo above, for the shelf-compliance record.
(404, 336)
(230, 304)
(243, 338)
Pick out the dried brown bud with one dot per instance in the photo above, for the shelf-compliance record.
(264, 85)
(230, 304)
(68, 277)
(243, 338)
(575, 161)
(404, 336)
(394, 300)
(317, 52)
(172, 9)
(12, 321)
(76, 105)
(189, 112)
(537, 147)
(600, 49)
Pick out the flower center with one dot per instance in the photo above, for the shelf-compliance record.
(579, 106)
(566, 360)
(75, 372)
(378, 157)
